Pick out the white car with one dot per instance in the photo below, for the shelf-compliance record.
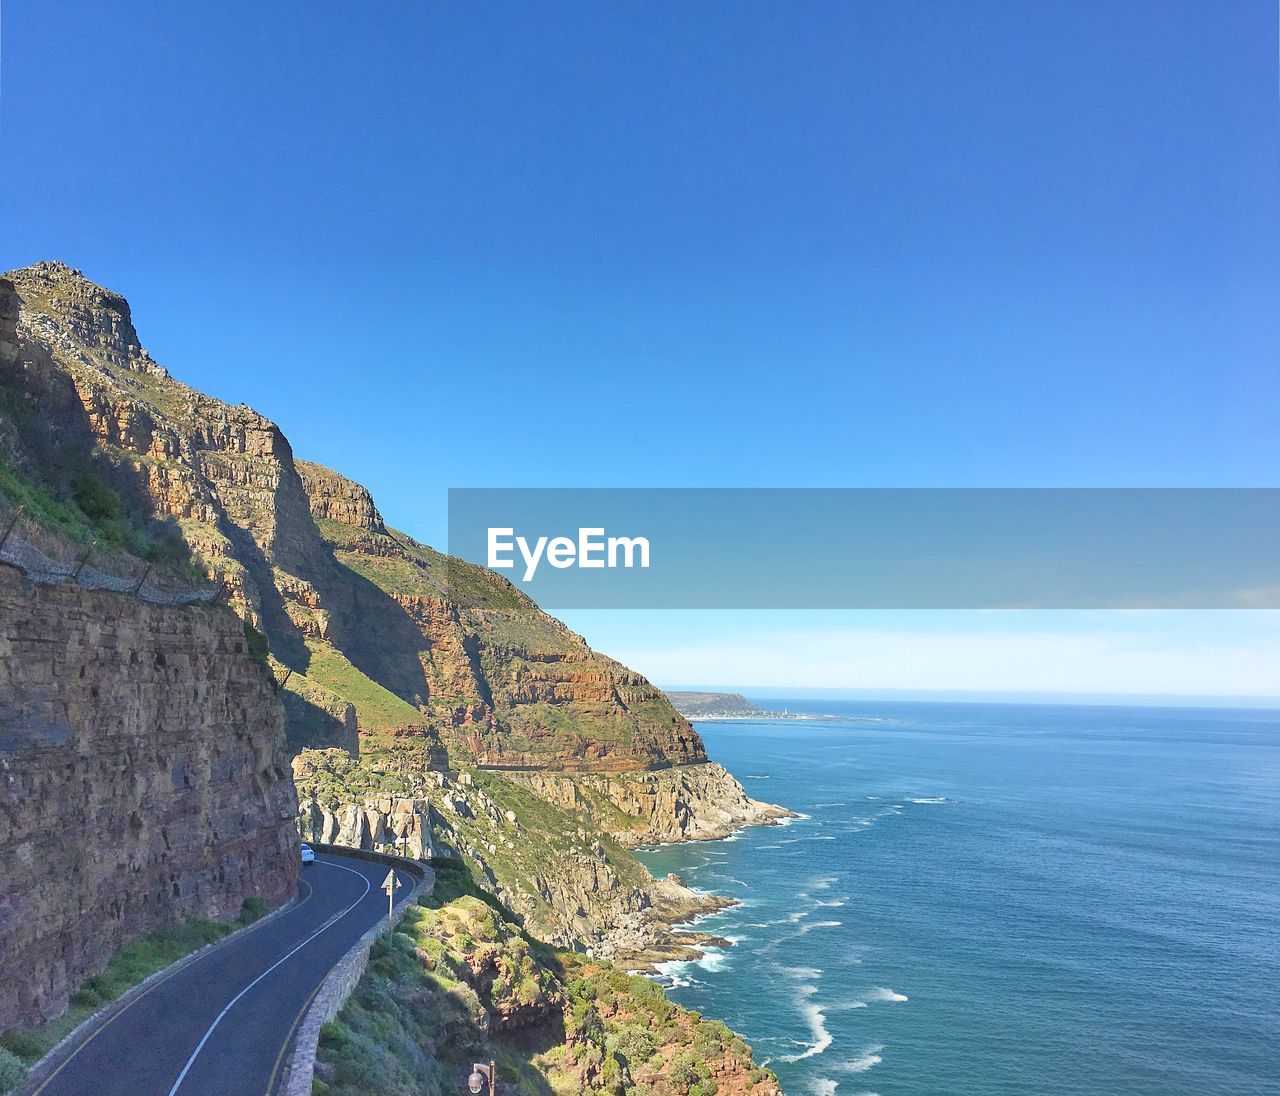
(308, 854)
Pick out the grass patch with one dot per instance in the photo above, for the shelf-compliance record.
(377, 709)
(43, 508)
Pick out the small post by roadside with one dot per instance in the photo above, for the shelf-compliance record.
(391, 884)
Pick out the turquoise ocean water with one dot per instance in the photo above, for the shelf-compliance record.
(1000, 899)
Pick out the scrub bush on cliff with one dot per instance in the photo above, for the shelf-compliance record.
(12, 1070)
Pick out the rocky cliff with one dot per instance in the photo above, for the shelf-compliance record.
(143, 779)
(415, 663)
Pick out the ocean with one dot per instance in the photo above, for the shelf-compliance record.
(986, 898)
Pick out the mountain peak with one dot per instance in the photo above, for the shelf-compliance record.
(56, 295)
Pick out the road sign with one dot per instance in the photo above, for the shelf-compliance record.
(391, 884)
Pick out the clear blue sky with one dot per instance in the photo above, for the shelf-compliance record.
(721, 244)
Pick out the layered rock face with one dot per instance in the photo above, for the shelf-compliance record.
(382, 639)
(143, 779)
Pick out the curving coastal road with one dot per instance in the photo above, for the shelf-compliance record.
(224, 1023)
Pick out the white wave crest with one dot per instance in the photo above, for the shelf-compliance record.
(674, 974)
(714, 959)
(931, 799)
(884, 993)
(865, 1061)
(817, 1021)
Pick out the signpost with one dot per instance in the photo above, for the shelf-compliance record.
(391, 884)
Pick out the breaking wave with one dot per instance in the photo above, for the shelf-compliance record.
(811, 925)
(884, 993)
(865, 1061)
(817, 1021)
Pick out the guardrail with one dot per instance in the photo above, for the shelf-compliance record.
(341, 982)
(24, 545)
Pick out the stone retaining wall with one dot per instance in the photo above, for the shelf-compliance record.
(342, 980)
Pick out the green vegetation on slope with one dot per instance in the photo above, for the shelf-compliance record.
(377, 709)
(460, 983)
(76, 494)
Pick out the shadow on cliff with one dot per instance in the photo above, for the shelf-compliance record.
(51, 465)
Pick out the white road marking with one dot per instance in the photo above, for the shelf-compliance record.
(368, 886)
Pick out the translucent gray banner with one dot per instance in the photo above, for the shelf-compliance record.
(820, 548)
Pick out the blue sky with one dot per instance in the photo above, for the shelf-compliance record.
(945, 244)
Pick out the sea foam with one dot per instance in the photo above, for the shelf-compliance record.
(884, 993)
(865, 1061)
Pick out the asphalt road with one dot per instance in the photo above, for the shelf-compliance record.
(224, 1024)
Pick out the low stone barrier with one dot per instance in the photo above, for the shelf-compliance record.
(333, 992)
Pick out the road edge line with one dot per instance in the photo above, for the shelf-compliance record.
(43, 1070)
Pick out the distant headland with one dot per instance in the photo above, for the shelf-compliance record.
(693, 705)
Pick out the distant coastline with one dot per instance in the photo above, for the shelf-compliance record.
(723, 707)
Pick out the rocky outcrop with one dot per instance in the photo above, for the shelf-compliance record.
(684, 803)
(143, 779)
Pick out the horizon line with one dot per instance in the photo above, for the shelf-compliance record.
(992, 696)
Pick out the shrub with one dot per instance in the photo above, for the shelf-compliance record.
(96, 500)
(11, 1070)
(24, 1045)
(333, 1035)
(252, 908)
(635, 1044)
(258, 647)
(683, 1071)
